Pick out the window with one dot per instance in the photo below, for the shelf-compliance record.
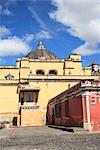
(30, 71)
(40, 72)
(9, 77)
(93, 100)
(98, 98)
(22, 101)
(59, 109)
(56, 110)
(67, 108)
(29, 98)
(35, 97)
(69, 73)
(52, 72)
(68, 86)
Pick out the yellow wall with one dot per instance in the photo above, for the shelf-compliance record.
(73, 65)
(30, 118)
(46, 66)
(48, 90)
(8, 99)
(8, 103)
(75, 57)
(4, 71)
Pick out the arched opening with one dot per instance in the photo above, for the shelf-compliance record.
(52, 72)
(40, 72)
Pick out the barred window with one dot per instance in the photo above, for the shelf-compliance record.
(59, 110)
(67, 108)
(52, 72)
(56, 111)
(40, 72)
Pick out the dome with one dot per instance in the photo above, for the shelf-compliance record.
(40, 52)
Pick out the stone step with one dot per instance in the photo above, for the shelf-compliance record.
(69, 129)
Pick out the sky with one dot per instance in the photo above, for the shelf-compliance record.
(64, 26)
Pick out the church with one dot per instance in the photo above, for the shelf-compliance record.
(26, 88)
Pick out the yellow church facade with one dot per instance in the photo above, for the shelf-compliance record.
(26, 88)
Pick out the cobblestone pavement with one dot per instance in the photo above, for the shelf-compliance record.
(44, 138)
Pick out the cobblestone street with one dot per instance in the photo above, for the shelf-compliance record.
(44, 138)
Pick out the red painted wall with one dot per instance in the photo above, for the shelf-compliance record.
(76, 113)
(95, 112)
(75, 117)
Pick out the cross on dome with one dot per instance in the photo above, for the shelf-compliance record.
(41, 45)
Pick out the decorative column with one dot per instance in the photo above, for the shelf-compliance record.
(86, 111)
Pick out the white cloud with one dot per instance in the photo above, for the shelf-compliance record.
(4, 31)
(39, 35)
(7, 12)
(28, 37)
(5, 7)
(13, 46)
(37, 17)
(82, 19)
(87, 49)
(43, 35)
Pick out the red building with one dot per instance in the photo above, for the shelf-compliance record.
(78, 106)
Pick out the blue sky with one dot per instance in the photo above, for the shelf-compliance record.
(65, 27)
